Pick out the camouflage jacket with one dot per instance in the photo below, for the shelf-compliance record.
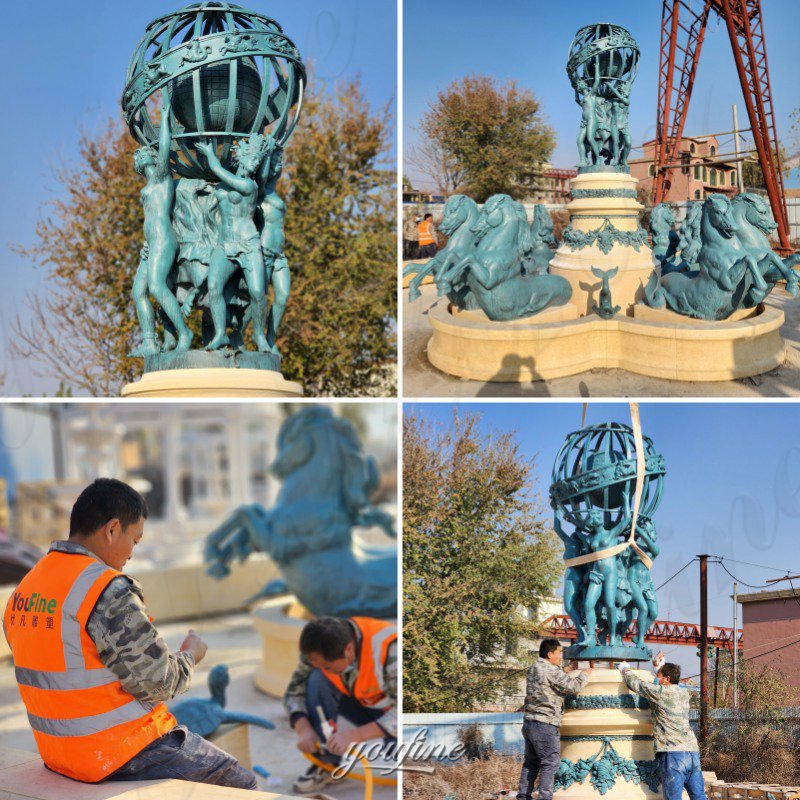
(129, 644)
(669, 706)
(546, 687)
(294, 699)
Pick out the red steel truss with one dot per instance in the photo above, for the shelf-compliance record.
(662, 632)
(681, 43)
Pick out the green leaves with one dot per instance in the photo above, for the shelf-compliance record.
(494, 132)
(476, 549)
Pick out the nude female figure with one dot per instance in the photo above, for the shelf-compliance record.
(238, 242)
(161, 245)
(273, 210)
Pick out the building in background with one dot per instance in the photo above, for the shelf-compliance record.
(701, 171)
(771, 633)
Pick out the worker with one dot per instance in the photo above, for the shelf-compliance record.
(343, 691)
(547, 684)
(411, 236)
(675, 744)
(427, 237)
(91, 668)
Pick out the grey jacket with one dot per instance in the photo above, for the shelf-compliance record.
(547, 685)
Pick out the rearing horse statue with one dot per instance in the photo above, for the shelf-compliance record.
(308, 533)
(460, 214)
(495, 271)
(730, 274)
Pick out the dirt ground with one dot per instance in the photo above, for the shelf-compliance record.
(231, 641)
(420, 379)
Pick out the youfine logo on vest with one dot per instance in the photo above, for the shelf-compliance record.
(35, 603)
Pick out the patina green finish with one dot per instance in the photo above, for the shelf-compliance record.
(327, 482)
(602, 64)
(605, 236)
(494, 260)
(592, 490)
(604, 767)
(662, 231)
(736, 266)
(605, 308)
(231, 85)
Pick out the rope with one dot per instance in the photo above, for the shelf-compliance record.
(608, 552)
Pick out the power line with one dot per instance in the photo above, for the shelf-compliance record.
(750, 564)
(753, 658)
(739, 580)
(676, 574)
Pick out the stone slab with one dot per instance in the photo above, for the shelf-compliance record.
(23, 775)
(216, 382)
(500, 352)
(234, 740)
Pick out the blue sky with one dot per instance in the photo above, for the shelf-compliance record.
(731, 489)
(65, 68)
(527, 40)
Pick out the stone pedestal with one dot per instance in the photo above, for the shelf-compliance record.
(604, 232)
(212, 382)
(235, 740)
(279, 622)
(610, 726)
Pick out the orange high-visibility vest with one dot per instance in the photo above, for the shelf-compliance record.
(425, 232)
(85, 724)
(370, 687)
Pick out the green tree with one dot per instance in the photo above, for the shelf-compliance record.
(475, 549)
(338, 335)
(753, 176)
(494, 133)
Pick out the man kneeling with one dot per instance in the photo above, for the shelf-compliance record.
(348, 671)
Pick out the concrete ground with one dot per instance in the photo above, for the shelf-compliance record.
(231, 640)
(421, 379)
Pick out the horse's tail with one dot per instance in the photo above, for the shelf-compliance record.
(653, 293)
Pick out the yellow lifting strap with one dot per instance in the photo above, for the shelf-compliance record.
(637, 499)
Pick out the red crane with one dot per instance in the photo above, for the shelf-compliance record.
(681, 43)
(661, 632)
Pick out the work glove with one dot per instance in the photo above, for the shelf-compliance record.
(623, 666)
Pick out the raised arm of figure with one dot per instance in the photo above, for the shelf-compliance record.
(241, 185)
(164, 137)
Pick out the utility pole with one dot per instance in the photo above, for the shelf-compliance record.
(735, 645)
(703, 647)
(739, 178)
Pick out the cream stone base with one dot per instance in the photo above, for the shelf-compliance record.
(587, 214)
(279, 622)
(212, 383)
(611, 722)
(556, 343)
(235, 741)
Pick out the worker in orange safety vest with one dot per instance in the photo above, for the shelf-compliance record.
(427, 237)
(343, 691)
(91, 668)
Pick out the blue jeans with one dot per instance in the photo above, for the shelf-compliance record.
(542, 757)
(185, 756)
(681, 769)
(321, 692)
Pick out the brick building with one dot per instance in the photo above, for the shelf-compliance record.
(701, 172)
(771, 620)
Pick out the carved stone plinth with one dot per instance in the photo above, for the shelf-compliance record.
(604, 232)
(556, 343)
(610, 727)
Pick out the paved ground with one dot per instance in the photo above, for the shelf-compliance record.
(231, 641)
(420, 379)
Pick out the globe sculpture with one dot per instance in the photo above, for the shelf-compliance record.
(212, 94)
(602, 64)
(230, 74)
(593, 488)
